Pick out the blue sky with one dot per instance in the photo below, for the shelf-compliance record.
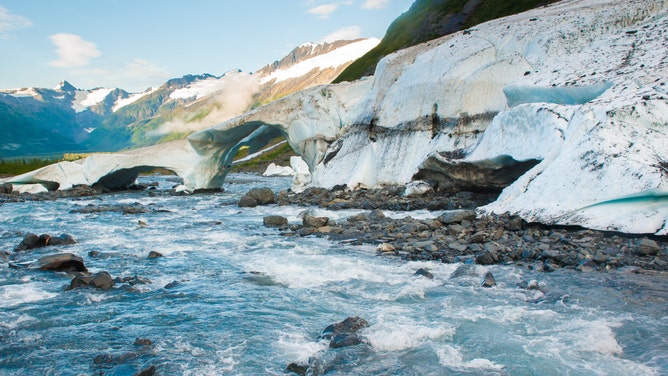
(136, 44)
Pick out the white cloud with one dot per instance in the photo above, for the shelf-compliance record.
(346, 33)
(233, 96)
(9, 22)
(73, 51)
(323, 11)
(375, 4)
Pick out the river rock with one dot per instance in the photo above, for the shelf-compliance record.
(424, 273)
(31, 241)
(488, 280)
(101, 280)
(457, 216)
(385, 247)
(311, 221)
(418, 188)
(247, 202)
(275, 221)
(345, 340)
(6, 188)
(148, 371)
(348, 326)
(63, 262)
(299, 369)
(647, 247)
(263, 196)
(487, 258)
(154, 254)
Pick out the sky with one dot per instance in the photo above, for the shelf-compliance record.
(137, 44)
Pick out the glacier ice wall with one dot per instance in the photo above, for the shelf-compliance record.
(574, 92)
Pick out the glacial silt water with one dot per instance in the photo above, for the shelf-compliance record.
(231, 296)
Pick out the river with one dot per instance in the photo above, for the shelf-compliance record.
(231, 296)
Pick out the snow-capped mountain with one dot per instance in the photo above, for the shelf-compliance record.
(39, 121)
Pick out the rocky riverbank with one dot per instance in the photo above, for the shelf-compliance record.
(457, 234)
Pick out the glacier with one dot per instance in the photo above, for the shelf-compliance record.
(562, 109)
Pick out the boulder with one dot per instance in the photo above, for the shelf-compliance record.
(63, 239)
(488, 280)
(350, 325)
(311, 221)
(154, 254)
(101, 280)
(418, 188)
(31, 241)
(6, 188)
(148, 371)
(456, 216)
(63, 262)
(247, 202)
(275, 221)
(299, 369)
(647, 247)
(345, 340)
(263, 196)
(424, 273)
(487, 258)
(385, 247)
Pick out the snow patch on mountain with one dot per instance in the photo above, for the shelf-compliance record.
(87, 98)
(333, 59)
(122, 102)
(22, 92)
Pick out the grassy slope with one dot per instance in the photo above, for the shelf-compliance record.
(430, 19)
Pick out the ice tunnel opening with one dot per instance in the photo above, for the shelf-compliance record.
(565, 95)
(125, 177)
(483, 176)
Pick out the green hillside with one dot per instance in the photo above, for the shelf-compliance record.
(431, 19)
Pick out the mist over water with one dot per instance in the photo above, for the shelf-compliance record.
(231, 296)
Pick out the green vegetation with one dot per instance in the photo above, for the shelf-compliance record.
(430, 19)
(279, 155)
(21, 166)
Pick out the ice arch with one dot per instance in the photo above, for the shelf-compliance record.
(309, 121)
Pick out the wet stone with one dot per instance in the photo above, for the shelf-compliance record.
(488, 280)
(101, 280)
(422, 272)
(275, 221)
(647, 247)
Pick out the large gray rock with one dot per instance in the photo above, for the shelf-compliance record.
(488, 280)
(311, 221)
(275, 221)
(247, 202)
(101, 280)
(263, 196)
(456, 216)
(344, 333)
(647, 247)
(31, 241)
(63, 262)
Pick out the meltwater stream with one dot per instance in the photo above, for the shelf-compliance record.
(231, 296)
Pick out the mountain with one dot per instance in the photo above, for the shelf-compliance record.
(42, 121)
(431, 19)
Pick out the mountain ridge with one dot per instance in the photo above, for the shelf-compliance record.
(112, 119)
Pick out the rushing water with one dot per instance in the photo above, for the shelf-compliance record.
(250, 301)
